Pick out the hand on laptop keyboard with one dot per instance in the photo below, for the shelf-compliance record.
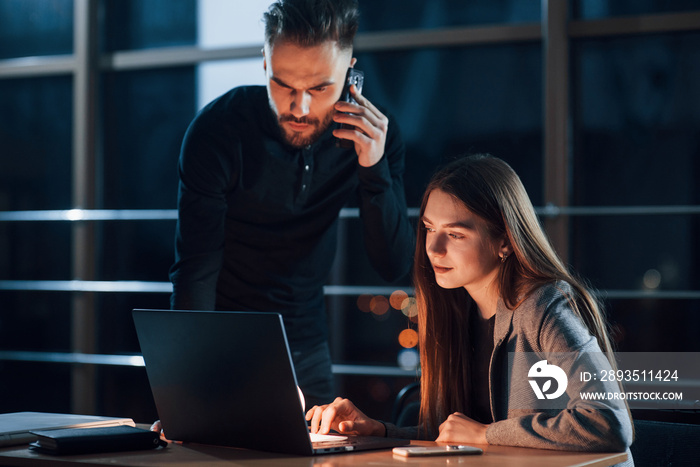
(343, 417)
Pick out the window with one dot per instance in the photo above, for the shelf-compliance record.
(87, 202)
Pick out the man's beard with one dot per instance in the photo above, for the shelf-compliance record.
(296, 139)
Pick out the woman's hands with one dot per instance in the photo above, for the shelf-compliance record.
(458, 428)
(343, 417)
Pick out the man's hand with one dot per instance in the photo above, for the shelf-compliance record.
(458, 428)
(343, 417)
(369, 134)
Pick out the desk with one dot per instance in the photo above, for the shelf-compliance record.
(186, 455)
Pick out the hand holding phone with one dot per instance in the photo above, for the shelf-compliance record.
(451, 450)
(356, 77)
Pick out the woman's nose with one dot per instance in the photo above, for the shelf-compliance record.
(435, 245)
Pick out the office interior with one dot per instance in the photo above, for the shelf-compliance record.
(595, 103)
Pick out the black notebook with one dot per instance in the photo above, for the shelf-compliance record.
(15, 427)
(90, 440)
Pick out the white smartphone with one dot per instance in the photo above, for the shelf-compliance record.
(451, 450)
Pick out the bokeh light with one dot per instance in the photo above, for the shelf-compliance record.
(408, 359)
(409, 307)
(379, 305)
(652, 279)
(408, 338)
(363, 302)
(397, 298)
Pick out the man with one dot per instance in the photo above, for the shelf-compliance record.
(262, 182)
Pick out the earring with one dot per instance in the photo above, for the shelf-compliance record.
(504, 257)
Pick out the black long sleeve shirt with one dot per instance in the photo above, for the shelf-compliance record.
(258, 219)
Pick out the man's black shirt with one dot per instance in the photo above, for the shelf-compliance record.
(258, 219)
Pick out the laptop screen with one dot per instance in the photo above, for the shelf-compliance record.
(223, 378)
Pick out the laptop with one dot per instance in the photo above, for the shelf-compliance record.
(227, 379)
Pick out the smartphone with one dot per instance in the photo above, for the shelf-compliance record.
(418, 451)
(356, 77)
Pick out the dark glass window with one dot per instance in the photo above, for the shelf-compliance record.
(636, 143)
(636, 138)
(400, 14)
(655, 325)
(35, 387)
(596, 9)
(363, 333)
(137, 250)
(124, 391)
(146, 114)
(35, 136)
(36, 322)
(145, 24)
(117, 334)
(643, 253)
(453, 101)
(35, 251)
(39, 321)
(29, 28)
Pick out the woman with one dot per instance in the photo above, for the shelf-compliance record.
(490, 290)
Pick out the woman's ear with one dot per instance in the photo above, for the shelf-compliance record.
(505, 249)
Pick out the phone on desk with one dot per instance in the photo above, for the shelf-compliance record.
(417, 451)
(356, 77)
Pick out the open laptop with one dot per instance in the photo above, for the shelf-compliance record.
(227, 378)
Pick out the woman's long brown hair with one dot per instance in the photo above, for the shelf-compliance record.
(489, 188)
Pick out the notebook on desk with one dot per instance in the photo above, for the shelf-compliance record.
(227, 378)
(15, 427)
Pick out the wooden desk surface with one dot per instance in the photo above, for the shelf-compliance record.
(213, 456)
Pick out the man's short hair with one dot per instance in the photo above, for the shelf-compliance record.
(308, 23)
